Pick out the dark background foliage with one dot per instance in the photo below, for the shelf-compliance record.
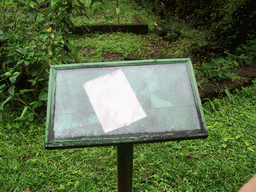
(231, 22)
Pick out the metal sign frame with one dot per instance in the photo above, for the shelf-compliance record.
(89, 141)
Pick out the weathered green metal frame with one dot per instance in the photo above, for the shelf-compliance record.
(51, 143)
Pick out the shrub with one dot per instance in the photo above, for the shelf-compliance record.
(219, 69)
(34, 39)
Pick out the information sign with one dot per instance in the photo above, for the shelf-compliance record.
(109, 103)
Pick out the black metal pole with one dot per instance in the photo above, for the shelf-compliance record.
(124, 167)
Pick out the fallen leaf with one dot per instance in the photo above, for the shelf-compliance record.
(149, 177)
(98, 170)
(117, 10)
(49, 29)
(189, 154)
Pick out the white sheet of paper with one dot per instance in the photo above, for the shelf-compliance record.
(114, 101)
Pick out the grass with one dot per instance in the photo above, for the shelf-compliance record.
(144, 47)
(106, 13)
(222, 162)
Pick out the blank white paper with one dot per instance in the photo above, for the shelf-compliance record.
(114, 101)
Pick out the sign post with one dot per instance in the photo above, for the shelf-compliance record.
(123, 103)
(124, 167)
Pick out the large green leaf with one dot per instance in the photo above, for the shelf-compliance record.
(2, 88)
(66, 58)
(14, 77)
(70, 46)
(38, 53)
(43, 96)
(33, 4)
(2, 105)
(94, 1)
(81, 4)
(26, 90)
(36, 104)
(53, 2)
(11, 90)
(22, 114)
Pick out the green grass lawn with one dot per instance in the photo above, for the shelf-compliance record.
(222, 162)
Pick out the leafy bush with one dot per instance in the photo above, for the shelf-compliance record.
(219, 68)
(173, 35)
(33, 39)
(246, 52)
(237, 25)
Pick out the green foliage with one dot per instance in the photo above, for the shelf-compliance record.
(219, 68)
(60, 13)
(230, 22)
(173, 35)
(33, 40)
(246, 52)
(248, 49)
(247, 60)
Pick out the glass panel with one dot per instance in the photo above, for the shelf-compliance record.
(160, 95)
